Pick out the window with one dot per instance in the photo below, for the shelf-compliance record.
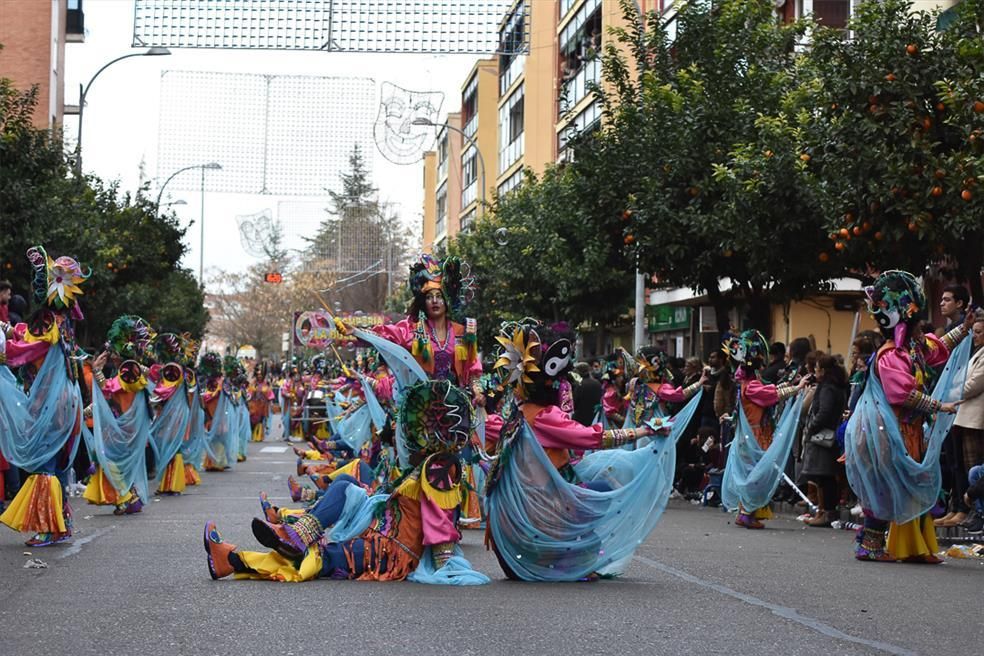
(469, 107)
(832, 13)
(443, 150)
(580, 47)
(469, 176)
(565, 6)
(441, 224)
(587, 121)
(467, 221)
(511, 129)
(510, 183)
(511, 39)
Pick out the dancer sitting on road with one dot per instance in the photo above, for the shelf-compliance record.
(384, 537)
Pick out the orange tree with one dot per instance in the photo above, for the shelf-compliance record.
(893, 139)
(714, 190)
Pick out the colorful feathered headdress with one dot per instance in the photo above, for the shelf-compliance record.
(450, 275)
(749, 348)
(896, 299)
(130, 337)
(56, 282)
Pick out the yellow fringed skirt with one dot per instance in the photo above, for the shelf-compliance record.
(258, 432)
(100, 492)
(191, 475)
(37, 508)
(915, 538)
(173, 480)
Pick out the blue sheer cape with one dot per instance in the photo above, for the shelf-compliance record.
(888, 482)
(193, 450)
(547, 529)
(35, 427)
(119, 444)
(406, 372)
(221, 439)
(752, 474)
(242, 428)
(167, 435)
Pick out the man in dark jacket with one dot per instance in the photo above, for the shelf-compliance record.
(587, 395)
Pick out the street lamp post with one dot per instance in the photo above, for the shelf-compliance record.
(471, 141)
(84, 91)
(211, 166)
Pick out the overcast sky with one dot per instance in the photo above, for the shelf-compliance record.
(122, 118)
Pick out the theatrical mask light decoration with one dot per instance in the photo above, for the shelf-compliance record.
(404, 127)
(256, 232)
(390, 26)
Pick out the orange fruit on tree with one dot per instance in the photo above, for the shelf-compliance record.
(912, 49)
(845, 233)
(839, 245)
(936, 191)
(878, 235)
(927, 123)
(913, 226)
(940, 107)
(939, 174)
(857, 231)
(823, 256)
(979, 106)
(866, 226)
(629, 239)
(805, 157)
(890, 77)
(966, 194)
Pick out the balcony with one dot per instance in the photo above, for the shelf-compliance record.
(75, 22)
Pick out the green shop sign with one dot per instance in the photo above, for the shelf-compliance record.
(667, 317)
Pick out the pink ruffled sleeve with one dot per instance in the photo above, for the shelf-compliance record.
(670, 394)
(437, 523)
(384, 388)
(400, 332)
(555, 430)
(895, 374)
(761, 394)
(611, 401)
(493, 430)
(936, 351)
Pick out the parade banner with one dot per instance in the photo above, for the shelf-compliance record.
(315, 328)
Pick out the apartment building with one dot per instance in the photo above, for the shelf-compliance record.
(33, 34)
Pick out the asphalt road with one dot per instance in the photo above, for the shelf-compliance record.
(699, 585)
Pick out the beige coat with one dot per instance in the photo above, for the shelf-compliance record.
(970, 414)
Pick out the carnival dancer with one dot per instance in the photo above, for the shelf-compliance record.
(121, 417)
(193, 449)
(291, 395)
(614, 402)
(755, 460)
(348, 535)
(40, 430)
(172, 427)
(552, 518)
(652, 388)
(221, 439)
(260, 396)
(892, 464)
(438, 335)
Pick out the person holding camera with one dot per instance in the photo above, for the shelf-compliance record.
(819, 441)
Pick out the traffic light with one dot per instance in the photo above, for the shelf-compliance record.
(274, 277)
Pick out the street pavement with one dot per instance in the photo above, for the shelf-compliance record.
(139, 585)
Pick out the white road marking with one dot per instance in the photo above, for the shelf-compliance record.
(790, 614)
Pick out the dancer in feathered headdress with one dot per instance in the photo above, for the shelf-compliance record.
(44, 427)
(442, 340)
(892, 464)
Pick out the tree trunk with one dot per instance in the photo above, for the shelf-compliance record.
(722, 307)
(760, 312)
(969, 266)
